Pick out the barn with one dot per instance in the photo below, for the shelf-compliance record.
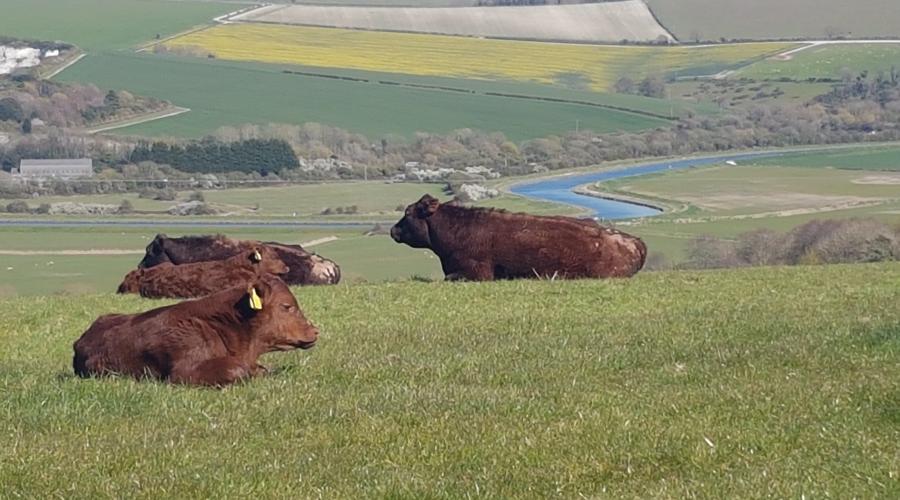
(60, 169)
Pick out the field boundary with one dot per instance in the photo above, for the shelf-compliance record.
(157, 115)
(557, 100)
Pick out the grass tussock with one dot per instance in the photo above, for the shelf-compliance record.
(766, 382)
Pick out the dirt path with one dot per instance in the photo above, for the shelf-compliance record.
(159, 115)
(64, 67)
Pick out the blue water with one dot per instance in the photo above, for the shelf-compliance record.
(559, 189)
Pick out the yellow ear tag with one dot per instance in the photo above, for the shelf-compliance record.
(256, 256)
(255, 301)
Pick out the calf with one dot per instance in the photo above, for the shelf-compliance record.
(214, 341)
(202, 278)
(484, 244)
(305, 268)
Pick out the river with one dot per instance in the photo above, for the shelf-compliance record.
(559, 189)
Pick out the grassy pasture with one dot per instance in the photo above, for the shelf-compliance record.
(751, 383)
(828, 61)
(375, 200)
(221, 94)
(95, 259)
(744, 190)
(872, 158)
(96, 25)
(777, 19)
(598, 66)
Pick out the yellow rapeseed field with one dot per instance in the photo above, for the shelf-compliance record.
(435, 55)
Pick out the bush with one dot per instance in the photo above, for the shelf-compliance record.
(43, 209)
(18, 207)
(196, 196)
(126, 207)
(158, 194)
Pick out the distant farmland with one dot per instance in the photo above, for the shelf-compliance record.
(828, 61)
(597, 67)
(778, 19)
(598, 22)
(224, 93)
(103, 24)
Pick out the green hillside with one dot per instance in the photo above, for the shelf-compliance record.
(752, 383)
(777, 19)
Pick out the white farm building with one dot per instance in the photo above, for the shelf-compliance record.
(60, 169)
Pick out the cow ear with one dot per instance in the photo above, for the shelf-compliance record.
(427, 206)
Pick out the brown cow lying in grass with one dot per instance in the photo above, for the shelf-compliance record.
(212, 341)
(484, 244)
(305, 268)
(202, 278)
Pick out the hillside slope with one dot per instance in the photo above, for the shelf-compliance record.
(777, 19)
(598, 22)
(750, 383)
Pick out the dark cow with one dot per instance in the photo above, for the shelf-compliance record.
(306, 268)
(200, 279)
(214, 341)
(484, 244)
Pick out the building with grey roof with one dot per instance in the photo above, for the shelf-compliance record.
(60, 169)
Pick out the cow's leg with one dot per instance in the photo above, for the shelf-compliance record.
(216, 372)
(476, 270)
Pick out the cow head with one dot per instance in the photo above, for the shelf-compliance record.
(413, 227)
(277, 322)
(132, 282)
(156, 252)
(265, 260)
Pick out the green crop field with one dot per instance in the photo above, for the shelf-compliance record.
(738, 384)
(220, 94)
(96, 25)
(777, 19)
(885, 158)
(828, 61)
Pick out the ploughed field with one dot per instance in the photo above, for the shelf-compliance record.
(597, 22)
(762, 382)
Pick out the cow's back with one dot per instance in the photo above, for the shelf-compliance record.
(528, 246)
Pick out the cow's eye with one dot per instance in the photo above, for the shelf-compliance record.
(287, 307)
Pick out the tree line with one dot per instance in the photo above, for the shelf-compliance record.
(861, 109)
(250, 155)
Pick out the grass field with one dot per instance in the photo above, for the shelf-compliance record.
(220, 94)
(828, 61)
(744, 190)
(583, 22)
(874, 158)
(96, 25)
(598, 66)
(753, 383)
(374, 200)
(47, 261)
(777, 19)
(777, 193)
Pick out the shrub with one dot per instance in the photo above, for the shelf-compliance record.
(18, 207)
(126, 207)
